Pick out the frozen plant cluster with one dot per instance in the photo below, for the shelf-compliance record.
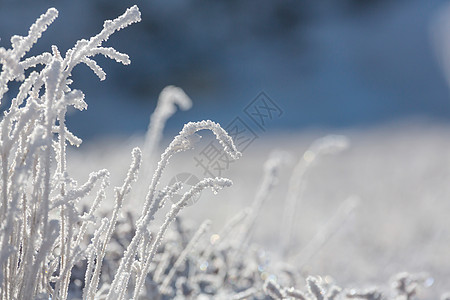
(192, 263)
(42, 228)
(51, 248)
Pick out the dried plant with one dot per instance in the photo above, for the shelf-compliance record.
(41, 226)
(52, 248)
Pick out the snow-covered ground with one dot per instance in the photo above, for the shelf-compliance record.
(400, 172)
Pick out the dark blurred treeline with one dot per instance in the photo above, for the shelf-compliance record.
(328, 63)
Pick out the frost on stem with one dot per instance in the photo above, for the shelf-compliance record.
(169, 98)
(331, 144)
(182, 257)
(10, 58)
(185, 140)
(314, 288)
(84, 49)
(225, 233)
(82, 191)
(406, 285)
(273, 289)
(296, 294)
(326, 232)
(367, 294)
(36, 190)
(215, 184)
(270, 180)
(92, 282)
(245, 294)
(136, 247)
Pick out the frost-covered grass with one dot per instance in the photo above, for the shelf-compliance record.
(110, 238)
(398, 172)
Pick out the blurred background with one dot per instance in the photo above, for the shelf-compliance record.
(326, 64)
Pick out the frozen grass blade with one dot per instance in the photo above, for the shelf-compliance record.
(327, 145)
(180, 260)
(214, 183)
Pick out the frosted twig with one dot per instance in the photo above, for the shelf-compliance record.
(325, 233)
(133, 248)
(368, 294)
(406, 284)
(182, 257)
(182, 142)
(296, 294)
(169, 98)
(91, 288)
(224, 233)
(214, 183)
(269, 182)
(314, 288)
(10, 59)
(245, 294)
(33, 137)
(327, 145)
(273, 289)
